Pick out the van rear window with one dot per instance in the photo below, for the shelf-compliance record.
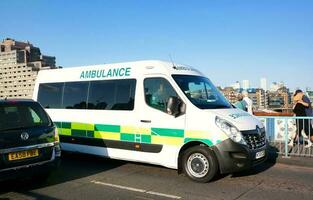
(15, 116)
(50, 95)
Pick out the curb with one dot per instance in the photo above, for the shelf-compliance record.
(301, 161)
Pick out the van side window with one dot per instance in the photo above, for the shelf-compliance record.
(101, 95)
(95, 95)
(50, 95)
(75, 95)
(112, 95)
(157, 93)
(125, 95)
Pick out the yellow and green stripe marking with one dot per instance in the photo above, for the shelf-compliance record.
(159, 136)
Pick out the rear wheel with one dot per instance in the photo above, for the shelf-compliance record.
(200, 164)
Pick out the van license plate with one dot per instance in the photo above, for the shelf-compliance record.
(260, 154)
(23, 154)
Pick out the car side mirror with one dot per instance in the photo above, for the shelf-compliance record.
(174, 106)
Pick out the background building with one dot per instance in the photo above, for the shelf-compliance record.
(236, 85)
(245, 84)
(19, 66)
(230, 93)
(279, 99)
(275, 86)
(263, 84)
(309, 93)
(252, 94)
(262, 101)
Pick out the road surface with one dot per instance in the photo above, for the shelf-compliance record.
(91, 177)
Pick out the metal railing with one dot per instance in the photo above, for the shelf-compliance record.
(289, 136)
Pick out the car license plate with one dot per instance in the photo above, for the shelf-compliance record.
(260, 154)
(23, 154)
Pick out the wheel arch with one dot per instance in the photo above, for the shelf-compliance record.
(187, 146)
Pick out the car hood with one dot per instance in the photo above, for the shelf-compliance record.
(239, 118)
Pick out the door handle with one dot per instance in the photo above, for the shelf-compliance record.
(145, 121)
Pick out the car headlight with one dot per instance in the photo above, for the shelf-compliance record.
(231, 131)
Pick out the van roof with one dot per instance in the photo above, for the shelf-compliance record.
(115, 71)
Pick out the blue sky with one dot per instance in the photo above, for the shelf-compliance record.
(227, 40)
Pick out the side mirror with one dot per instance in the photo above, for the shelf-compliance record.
(174, 106)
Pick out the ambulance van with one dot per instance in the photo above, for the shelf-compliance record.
(152, 112)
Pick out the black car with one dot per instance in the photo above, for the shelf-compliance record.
(29, 142)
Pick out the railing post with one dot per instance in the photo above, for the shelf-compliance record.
(286, 139)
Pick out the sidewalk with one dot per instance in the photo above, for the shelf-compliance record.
(302, 161)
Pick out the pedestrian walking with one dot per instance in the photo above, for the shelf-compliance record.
(300, 110)
(248, 102)
(241, 104)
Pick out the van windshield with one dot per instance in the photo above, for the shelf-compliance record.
(201, 92)
(17, 115)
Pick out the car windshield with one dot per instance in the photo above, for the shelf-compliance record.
(14, 115)
(201, 92)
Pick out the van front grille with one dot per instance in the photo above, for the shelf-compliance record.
(254, 139)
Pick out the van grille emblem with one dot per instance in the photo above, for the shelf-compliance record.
(24, 136)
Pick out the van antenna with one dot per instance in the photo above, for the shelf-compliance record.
(169, 55)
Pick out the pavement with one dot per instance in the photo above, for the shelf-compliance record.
(296, 161)
(302, 161)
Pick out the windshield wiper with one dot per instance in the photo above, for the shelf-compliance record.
(221, 106)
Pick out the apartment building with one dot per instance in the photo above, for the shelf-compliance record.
(19, 66)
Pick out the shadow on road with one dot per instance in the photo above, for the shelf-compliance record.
(76, 166)
(73, 166)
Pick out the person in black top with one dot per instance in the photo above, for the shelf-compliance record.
(300, 111)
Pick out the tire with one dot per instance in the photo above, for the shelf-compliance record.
(200, 164)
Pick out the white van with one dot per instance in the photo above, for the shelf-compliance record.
(153, 112)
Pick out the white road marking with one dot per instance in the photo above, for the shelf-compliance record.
(119, 186)
(136, 190)
(163, 195)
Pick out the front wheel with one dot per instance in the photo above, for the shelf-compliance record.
(200, 164)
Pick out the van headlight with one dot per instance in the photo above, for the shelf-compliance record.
(231, 131)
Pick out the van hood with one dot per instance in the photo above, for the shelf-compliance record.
(239, 118)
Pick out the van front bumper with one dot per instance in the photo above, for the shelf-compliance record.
(234, 157)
